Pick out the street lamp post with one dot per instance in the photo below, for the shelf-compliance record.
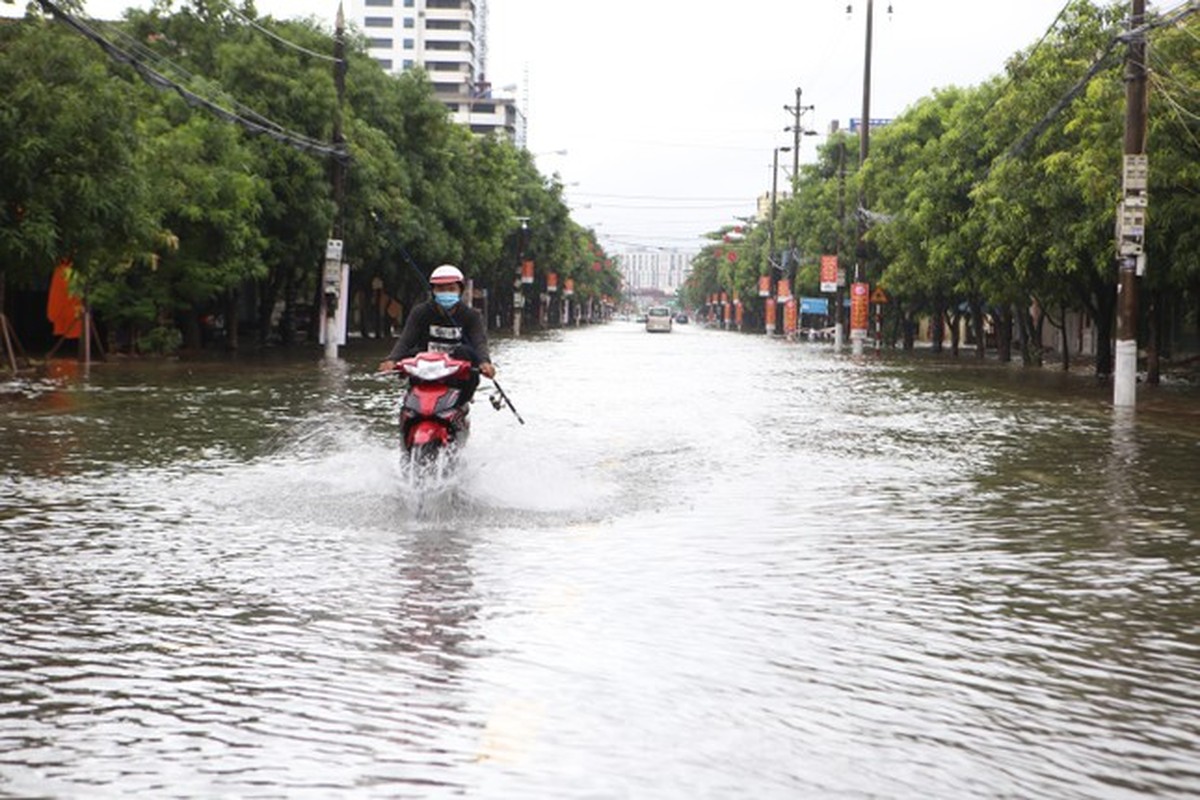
(771, 264)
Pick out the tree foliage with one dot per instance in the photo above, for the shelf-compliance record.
(171, 213)
(998, 201)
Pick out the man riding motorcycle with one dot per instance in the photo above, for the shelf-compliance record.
(445, 324)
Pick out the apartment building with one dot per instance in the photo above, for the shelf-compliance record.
(664, 270)
(448, 39)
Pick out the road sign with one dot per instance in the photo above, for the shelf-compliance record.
(879, 296)
(814, 305)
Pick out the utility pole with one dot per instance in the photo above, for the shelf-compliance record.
(1132, 213)
(771, 265)
(332, 274)
(858, 331)
(797, 131)
(519, 282)
(839, 324)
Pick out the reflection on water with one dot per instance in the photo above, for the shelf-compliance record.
(709, 565)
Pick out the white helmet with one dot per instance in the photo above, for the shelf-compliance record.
(446, 273)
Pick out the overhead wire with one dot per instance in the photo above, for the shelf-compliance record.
(249, 120)
(1180, 112)
(286, 42)
(158, 59)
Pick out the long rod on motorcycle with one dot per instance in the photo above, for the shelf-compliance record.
(507, 402)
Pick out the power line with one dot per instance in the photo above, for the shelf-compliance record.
(664, 198)
(1178, 14)
(1180, 112)
(280, 39)
(250, 121)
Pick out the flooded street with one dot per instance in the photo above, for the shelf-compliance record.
(709, 565)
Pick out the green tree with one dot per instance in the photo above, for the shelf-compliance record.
(69, 186)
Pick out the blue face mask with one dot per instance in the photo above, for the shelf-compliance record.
(446, 299)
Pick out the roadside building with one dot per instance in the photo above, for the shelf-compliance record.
(448, 40)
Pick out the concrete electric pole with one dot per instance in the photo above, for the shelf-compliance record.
(1132, 213)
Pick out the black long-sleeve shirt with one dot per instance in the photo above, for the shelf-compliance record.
(429, 324)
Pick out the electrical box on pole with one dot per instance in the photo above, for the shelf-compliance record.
(1131, 215)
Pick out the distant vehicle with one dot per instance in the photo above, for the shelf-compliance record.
(640, 319)
(658, 318)
(681, 318)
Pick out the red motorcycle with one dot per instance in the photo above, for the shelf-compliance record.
(433, 416)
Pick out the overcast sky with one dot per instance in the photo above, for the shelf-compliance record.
(670, 110)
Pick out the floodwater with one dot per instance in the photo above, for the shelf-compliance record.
(709, 565)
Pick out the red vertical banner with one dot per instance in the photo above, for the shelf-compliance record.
(829, 273)
(63, 309)
(764, 286)
(552, 282)
(724, 297)
(728, 312)
(738, 313)
(783, 290)
(860, 308)
(770, 314)
(527, 271)
(569, 287)
(789, 316)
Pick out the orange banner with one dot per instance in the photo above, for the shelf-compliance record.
(860, 307)
(829, 273)
(552, 282)
(764, 286)
(789, 316)
(770, 315)
(62, 308)
(526, 272)
(784, 290)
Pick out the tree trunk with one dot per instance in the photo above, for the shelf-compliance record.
(1024, 335)
(1039, 353)
(910, 324)
(191, 330)
(267, 295)
(231, 320)
(939, 326)
(1155, 339)
(980, 336)
(1066, 340)
(955, 318)
(1004, 330)
(1106, 301)
(287, 320)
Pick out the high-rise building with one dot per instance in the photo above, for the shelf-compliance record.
(664, 270)
(448, 39)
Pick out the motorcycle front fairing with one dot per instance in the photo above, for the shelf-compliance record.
(431, 412)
